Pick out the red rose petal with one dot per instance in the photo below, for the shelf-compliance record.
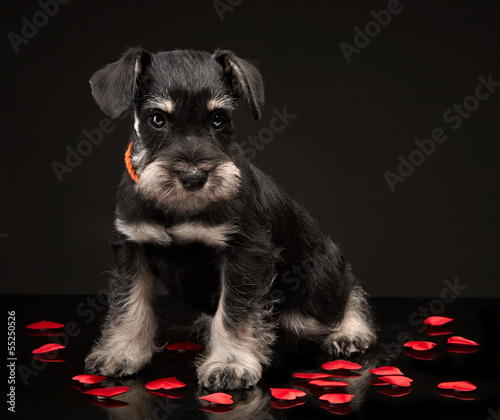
(340, 364)
(165, 383)
(281, 405)
(308, 376)
(437, 321)
(108, 392)
(185, 345)
(386, 371)
(461, 341)
(395, 392)
(48, 348)
(89, 379)
(44, 325)
(397, 380)
(328, 384)
(337, 398)
(218, 398)
(420, 345)
(463, 386)
(286, 393)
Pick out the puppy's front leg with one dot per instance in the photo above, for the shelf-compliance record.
(241, 332)
(127, 341)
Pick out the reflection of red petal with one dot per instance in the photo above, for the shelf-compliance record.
(455, 348)
(378, 382)
(386, 371)
(436, 331)
(165, 383)
(50, 357)
(174, 394)
(44, 325)
(108, 392)
(286, 393)
(45, 333)
(437, 321)
(397, 380)
(185, 345)
(281, 405)
(328, 384)
(420, 355)
(88, 379)
(341, 409)
(420, 345)
(337, 398)
(218, 398)
(458, 386)
(308, 376)
(48, 348)
(340, 364)
(217, 408)
(465, 396)
(395, 392)
(342, 373)
(461, 341)
(109, 403)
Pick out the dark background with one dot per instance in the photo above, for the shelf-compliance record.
(352, 122)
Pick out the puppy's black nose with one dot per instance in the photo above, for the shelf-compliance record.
(193, 179)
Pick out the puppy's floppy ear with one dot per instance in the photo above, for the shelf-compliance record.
(244, 79)
(115, 86)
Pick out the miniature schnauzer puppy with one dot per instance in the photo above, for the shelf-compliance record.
(194, 214)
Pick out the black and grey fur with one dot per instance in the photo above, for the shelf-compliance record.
(212, 227)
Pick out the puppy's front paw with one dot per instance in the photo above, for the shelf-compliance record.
(226, 376)
(339, 345)
(115, 363)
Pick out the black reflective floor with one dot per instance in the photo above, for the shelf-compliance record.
(45, 390)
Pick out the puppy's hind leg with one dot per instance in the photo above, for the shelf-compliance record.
(355, 333)
(127, 341)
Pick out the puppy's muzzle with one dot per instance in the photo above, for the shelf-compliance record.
(193, 179)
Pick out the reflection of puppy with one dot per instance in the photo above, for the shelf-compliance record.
(194, 213)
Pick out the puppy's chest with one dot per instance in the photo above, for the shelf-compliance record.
(214, 236)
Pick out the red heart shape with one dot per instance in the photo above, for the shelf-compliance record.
(420, 345)
(462, 386)
(108, 392)
(337, 398)
(397, 380)
(437, 321)
(165, 383)
(44, 325)
(89, 379)
(340, 364)
(48, 348)
(287, 394)
(462, 341)
(328, 384)
(386, 371)
(218, 398)
(173, 395)
(185, 345)
(378, 382)
(309, 376)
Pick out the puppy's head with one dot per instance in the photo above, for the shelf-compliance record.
(182, 103)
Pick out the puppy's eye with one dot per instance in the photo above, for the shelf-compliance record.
(157, 120)
(219, 120)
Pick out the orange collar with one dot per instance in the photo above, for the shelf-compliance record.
(128, 163)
